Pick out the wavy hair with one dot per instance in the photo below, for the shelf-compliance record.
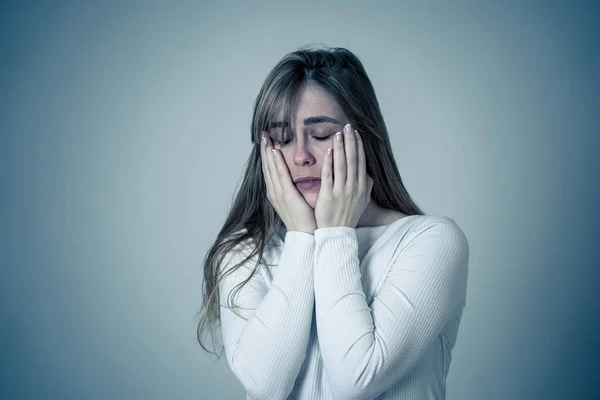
(252, 219)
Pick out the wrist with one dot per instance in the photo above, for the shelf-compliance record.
(310, 230)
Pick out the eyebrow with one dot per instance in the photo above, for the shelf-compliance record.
(319, 119)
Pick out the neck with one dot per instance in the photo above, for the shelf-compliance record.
(371, 216)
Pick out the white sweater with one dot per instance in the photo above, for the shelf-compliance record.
(349, 313)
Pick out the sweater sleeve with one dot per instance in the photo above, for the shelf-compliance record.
(266, 346)
(366, 349)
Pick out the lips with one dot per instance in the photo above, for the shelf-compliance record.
(307, 179)
(308, 183)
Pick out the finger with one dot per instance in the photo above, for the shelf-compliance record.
(351, 158)
(327, 173)
(283, 173)
(265, 166)
(275, 179)
(361, 163)
(271, 170)
(339, 162)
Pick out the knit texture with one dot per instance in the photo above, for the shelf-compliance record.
(349, 313)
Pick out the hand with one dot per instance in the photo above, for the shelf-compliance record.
(345, 186)
(289, 203)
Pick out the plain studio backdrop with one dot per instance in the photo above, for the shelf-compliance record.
(125, 130)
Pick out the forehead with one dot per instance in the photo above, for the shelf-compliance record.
(312, 106)
(312, 101)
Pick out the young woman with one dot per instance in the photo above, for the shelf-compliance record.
(326, 279)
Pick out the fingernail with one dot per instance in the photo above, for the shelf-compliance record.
(274, 152)
(329, 152)
(347, 128)
(338, 136)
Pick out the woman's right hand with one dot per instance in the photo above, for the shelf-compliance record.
(289, 203)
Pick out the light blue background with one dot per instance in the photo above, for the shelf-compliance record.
(125, 128)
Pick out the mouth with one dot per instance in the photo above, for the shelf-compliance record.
(308, 184)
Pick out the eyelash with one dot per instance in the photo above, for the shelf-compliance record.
(319, 138)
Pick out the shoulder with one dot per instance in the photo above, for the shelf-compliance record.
(432, 230)
(421, 223)
(247, 252)
(234, 250)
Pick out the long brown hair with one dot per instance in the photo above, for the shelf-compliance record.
(252, 218)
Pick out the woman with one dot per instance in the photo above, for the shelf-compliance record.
(327, 280)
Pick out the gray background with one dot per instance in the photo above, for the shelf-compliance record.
(124, 131)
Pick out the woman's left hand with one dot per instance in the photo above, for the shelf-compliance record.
(345, 186)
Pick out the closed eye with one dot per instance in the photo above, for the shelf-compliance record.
(287, 141)
(278, 143)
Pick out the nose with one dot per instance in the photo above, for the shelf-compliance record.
(302, 155)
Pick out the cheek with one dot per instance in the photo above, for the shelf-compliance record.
(288, 156)
(321, 153)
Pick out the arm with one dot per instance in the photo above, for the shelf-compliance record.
(267, 350)
(366, 350)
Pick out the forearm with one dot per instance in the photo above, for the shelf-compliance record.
(344, 320)
(271, 346)
(368, 347)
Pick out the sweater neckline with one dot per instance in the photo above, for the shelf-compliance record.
(370, 234)
(383, 227)
(367, 230)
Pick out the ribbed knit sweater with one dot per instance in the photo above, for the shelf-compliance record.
(348, 313)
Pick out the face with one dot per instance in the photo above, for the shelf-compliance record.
(317, 117)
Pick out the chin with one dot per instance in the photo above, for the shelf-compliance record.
(311, 200)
